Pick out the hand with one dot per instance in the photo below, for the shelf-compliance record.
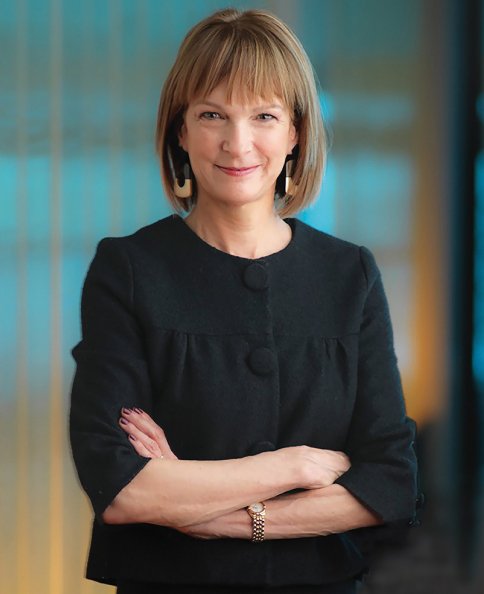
(318, 468)
(147, 438)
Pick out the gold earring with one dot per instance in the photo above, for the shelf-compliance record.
(290, 187)
(183, 183)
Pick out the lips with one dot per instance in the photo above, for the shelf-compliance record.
(237, 171)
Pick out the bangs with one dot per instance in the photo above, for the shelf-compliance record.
(251, 68)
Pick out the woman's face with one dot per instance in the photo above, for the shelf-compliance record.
(236, 149)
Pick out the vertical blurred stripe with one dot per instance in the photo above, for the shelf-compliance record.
(115, 57)
(429, 223)
(57, 412)
(144, 136)
(86, 143)
(21, 437)
(79, 511)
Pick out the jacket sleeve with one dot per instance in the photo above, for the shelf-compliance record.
(383, 473)
(111, 373)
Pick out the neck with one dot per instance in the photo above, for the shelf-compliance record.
(246, 231)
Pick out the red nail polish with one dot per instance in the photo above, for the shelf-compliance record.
(138, 410)
(127, 411)
(132, 437)
(123, 421)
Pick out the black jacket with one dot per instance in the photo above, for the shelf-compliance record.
(232, 357)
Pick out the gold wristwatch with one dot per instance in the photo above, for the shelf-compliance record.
(257, 511)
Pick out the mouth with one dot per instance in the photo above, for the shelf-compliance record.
(237, 171)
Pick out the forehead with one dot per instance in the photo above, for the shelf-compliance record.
(224, 95)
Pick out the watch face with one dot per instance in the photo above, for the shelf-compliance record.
(257, 507)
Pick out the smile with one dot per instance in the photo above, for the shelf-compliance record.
(237, 171)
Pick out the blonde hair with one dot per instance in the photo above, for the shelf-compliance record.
(257, 55)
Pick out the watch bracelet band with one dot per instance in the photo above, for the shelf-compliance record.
(258, 529)
(257, 512)
(258, 524)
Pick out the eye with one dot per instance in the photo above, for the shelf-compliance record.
(210, 115)
(266, 117)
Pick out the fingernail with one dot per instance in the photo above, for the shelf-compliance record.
(138, 410)
(132, 437)
(123, 421)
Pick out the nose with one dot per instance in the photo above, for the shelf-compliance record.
(237, 139)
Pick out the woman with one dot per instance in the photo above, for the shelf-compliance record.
(236, 410)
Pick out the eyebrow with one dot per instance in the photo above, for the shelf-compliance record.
(221, 107)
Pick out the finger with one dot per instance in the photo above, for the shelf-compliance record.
(144, 423)
(142, 420)
(340, 454)
(148, 444)
(341, 464)
(338, 457)
(141, 448)
(335, 464)
(148, 426)
(341, 458)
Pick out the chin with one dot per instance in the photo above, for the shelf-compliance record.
(241, 199)
(242, 196)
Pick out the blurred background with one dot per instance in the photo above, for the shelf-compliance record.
(401, 90)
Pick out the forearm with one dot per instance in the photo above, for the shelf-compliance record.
(319, 512)
(316, 512)
(178, 493)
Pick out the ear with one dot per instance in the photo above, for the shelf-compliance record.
(182, 137)
(293, 138)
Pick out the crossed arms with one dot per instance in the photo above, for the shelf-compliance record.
(207, 499)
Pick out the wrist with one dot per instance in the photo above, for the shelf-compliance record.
(236, 524)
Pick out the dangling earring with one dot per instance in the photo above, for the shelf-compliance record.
(183, 183)
(289, 187)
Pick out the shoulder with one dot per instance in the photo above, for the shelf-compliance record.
(121, 260)
(159, 232)
(341, 255)
(158, 237)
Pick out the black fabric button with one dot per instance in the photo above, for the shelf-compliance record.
(259, 447)
(262, 361)
(256, 277)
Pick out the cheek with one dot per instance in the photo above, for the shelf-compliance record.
(202, 145)
(280, 144)
(199, 167)
(277, 150)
